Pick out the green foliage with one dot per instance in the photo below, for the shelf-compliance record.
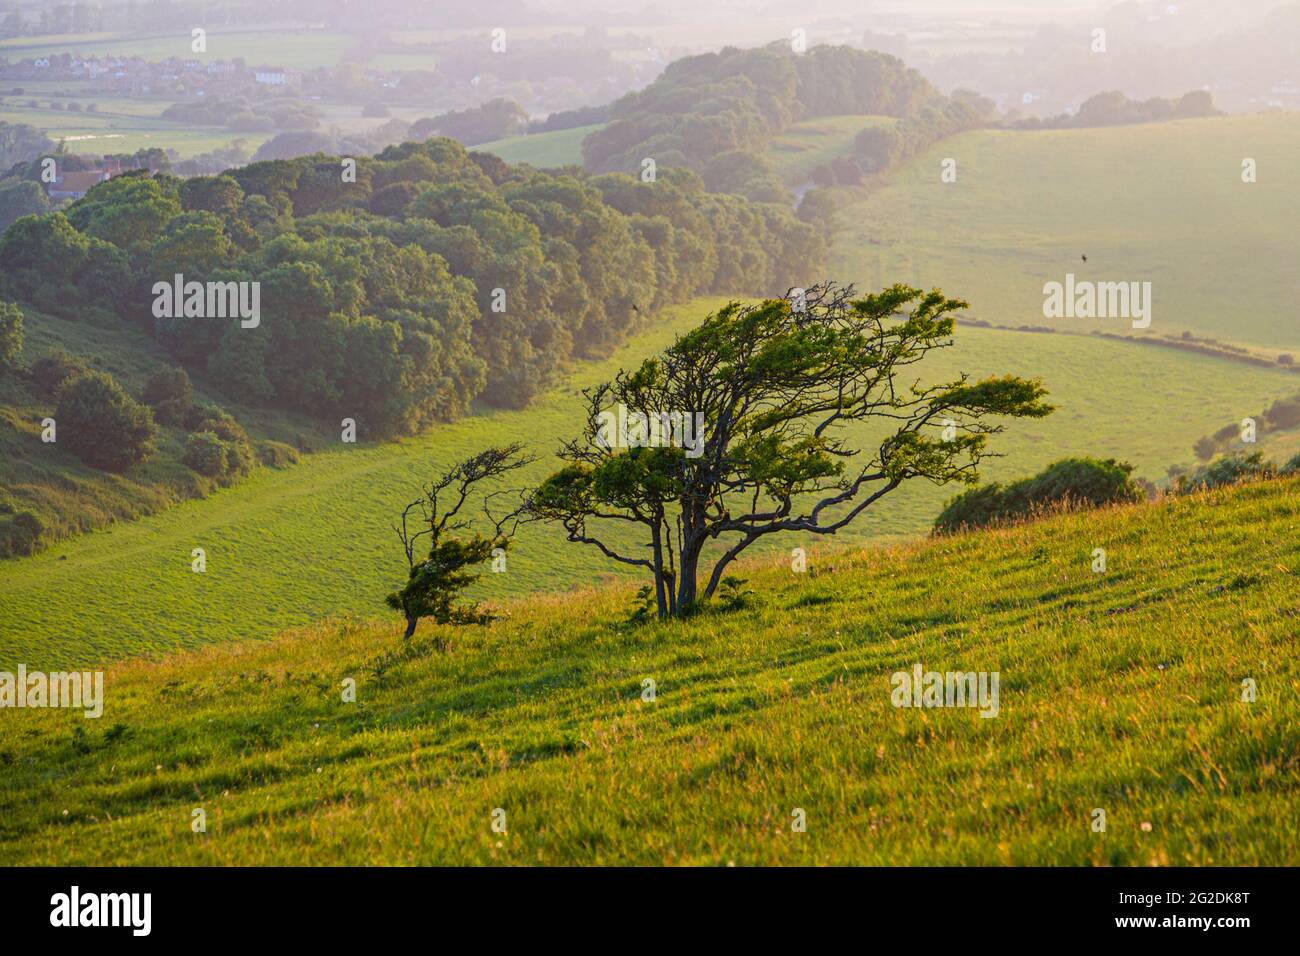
(206, 454)
(46, 262)
(1069, 483)
(128, 210)
(102, 425)
(435, 583)
(170, 394)
(21, 143)
(21, 533)
(1281, 416)
(279, 515)
(744, 173)
(732, 593)
(762, 396)
(1113, 108)
(496, 119)
(1229, 470)
(435, 279)
(21, 197)
(732, 102)
(880, 148)
(276, 454)
(49, 372)
(1284, 413)
(11, 335)
(218, 446)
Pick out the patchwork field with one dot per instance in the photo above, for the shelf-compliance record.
(295, 48)
(1121, 692)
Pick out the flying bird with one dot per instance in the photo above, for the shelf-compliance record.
(1085, 258)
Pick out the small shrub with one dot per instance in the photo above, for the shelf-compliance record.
(1284, 413)
(1071, 482)
(732, 593)
(1205, 448)
(232, 455)
(50, 372)
(1292, 467)
(170, 394)
(20, 534)
(11, 334)
(276, 454)
(102, 425)
(1229, 470)
(205, 452)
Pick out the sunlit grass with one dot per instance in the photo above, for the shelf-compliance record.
(1120, 691)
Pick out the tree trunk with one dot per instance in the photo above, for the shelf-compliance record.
(410, 627)
(686, 585)
(661, 600)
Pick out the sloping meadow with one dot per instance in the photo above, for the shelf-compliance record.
(1160, 692)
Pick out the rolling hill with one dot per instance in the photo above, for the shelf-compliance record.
(1161, 202)
(1120, 691)
(286, 547)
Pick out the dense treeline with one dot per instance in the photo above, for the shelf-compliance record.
(496, 119)
(879, 148)
(705, 106)
(396, 296)
(1115, 109)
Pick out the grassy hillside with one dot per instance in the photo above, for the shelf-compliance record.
(815, 141)
(1162, 202)
(285, 548)
(1120, 691)
(69, 496)
(562, 147)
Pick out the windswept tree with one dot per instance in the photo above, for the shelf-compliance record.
(435, 581)
(775, 388)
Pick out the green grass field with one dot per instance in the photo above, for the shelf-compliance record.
(1162, 202)
(1120, 691)
(812, 142)
(285, 548)
(543, 150)
(120, 126)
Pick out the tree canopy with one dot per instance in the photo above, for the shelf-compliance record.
(431, 278)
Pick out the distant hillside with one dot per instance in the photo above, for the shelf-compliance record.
(332, 513)
(808, 144)
(543, 150)
(699, 742)
(1161, 202)
(393, 295)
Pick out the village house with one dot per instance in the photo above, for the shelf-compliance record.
(74, 184)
